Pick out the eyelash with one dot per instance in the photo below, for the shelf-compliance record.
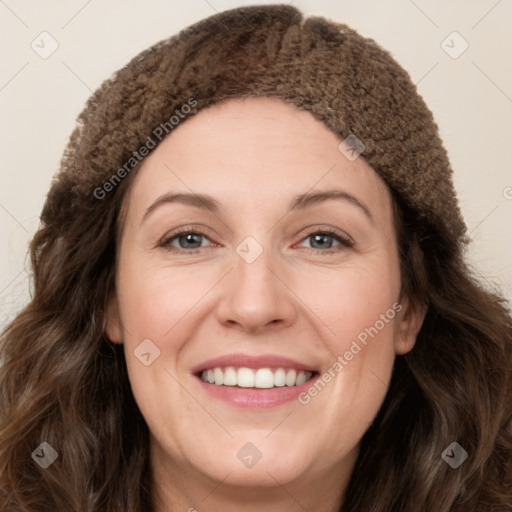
(344, 242)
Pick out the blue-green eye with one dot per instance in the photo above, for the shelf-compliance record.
(186, 241)
(325, 240)
(189, 241)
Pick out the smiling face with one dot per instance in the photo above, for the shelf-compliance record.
(250, 274)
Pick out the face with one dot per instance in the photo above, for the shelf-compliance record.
(265, 282)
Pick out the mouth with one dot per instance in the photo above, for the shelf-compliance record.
(256, 378)
(254, 381)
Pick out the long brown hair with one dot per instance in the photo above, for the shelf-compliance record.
(65, 384)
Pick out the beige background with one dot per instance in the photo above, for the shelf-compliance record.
(470, 96)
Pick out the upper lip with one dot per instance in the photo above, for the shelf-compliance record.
(255, 362)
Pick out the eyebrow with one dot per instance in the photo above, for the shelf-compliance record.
(298, 202)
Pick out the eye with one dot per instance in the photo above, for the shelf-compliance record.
(188, 241)
(323, 240)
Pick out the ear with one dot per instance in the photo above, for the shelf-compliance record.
(113, 327)
(409, 321)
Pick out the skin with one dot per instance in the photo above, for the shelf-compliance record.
(296, 300)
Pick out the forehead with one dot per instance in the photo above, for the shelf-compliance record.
(253, 153)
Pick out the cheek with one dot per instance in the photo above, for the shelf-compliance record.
(155, 298)
(355, 378)
(359, 305)
(355, 300)
(154, 304)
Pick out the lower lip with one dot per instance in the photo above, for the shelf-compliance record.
(256, 397)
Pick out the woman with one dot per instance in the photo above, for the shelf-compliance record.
(253, 369)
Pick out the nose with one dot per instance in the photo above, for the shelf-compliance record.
(255, 297)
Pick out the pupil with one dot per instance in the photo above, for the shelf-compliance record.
(189, 238)
(316, 237)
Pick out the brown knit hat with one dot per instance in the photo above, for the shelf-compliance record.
(348, 82)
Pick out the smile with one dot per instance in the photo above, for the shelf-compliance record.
(262, 378)
(255, 381)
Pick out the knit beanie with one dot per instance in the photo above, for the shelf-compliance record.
(345, 80)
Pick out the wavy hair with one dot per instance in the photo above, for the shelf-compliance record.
(62, 382)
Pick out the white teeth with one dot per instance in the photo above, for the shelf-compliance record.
(219, 376)
(230, 376)
(301, 378)
(262, 378)
(245, 377)
(279, 378)
(291, 378)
